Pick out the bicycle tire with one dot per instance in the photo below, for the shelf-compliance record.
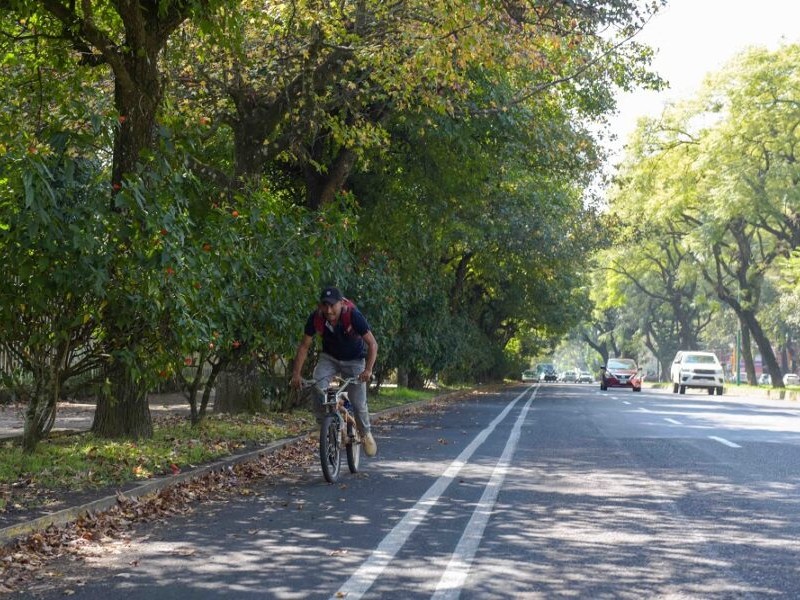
(330, 456)
(353, 449)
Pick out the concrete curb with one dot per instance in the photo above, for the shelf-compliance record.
(733, 390)
(13, 532)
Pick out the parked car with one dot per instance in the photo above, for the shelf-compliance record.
(621, 372)
(695, 369)
(529, 375)
(764, 379)
(585, 377)
(791, 379)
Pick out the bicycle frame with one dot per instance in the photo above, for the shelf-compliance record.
(338, 430)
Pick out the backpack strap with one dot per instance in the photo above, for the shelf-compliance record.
(346, 318)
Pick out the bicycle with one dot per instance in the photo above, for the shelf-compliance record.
(338, 430)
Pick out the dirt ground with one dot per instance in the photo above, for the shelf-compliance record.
(78, 416)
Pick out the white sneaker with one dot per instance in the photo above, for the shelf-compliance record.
(370, 447)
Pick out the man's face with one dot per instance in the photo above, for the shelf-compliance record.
(331, 311)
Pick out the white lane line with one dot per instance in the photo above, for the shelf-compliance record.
(455, 575)
(724, 441)
(360, 581)
(644, 410)
(626, 402)
(673, 421)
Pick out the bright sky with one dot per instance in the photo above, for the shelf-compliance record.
(693, 38)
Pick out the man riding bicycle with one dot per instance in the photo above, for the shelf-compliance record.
(349, 349)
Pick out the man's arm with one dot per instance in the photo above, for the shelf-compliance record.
(300, 359)
(372, 354)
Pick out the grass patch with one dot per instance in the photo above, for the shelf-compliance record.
(398, 396)
(84, 461)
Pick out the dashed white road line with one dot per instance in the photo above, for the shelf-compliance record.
(363, 578)
(724, 441)
(626, 402)
(455, 575)
(673, 421)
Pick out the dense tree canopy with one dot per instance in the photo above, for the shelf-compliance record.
(429, 158)
(709, 196)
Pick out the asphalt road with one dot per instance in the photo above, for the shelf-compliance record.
(549, 491)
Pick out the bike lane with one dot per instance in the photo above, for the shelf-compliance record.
(409, 514)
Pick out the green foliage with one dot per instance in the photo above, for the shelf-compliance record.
(709, 201)
(480, 221)
(56, 250)
(464, 230)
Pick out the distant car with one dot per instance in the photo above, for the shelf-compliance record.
(791, 379)
(695, 369)
(529, 375)
(585, 377)
(548, 375)
(569, 376)
(621, 372)
(764, 379)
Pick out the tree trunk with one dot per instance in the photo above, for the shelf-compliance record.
(747, 354)
(239, 390)
(666, 365)
(415, 379)
(663, 356)
(40, 414)
(687, 333)
(216, 369)
(402, 377)
(765, 347)
(122, 408)
(321, 188)
(39, 419)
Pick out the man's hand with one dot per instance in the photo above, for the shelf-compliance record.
(366, 376)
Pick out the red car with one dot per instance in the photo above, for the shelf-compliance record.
(621, 372)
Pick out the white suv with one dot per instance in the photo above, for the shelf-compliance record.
(694, 369)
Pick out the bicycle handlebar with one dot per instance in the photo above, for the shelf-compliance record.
(343, 383)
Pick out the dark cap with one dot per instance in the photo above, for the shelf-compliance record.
(330, 295)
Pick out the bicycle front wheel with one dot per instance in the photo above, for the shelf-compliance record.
(329, 453)
(353, 449)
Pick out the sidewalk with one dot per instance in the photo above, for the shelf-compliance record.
(69, 416)
(78, 416)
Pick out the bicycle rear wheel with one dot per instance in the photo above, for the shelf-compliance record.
(353, 449)
(329, 453)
